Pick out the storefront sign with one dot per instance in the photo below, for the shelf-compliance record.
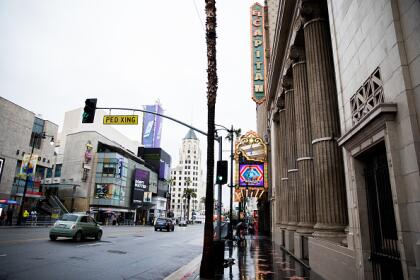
(121, 119)
(251, 175)
(141, 185)
(258, 67)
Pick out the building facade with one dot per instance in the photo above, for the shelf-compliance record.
(187, 174)
(21, 132)
(342, 116)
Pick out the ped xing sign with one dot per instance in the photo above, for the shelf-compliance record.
(121, 119)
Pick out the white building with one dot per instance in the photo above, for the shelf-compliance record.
(188, 174)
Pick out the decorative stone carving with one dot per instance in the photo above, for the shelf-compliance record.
(367, 96)
(297, 53)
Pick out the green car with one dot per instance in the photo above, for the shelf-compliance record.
(76, 226)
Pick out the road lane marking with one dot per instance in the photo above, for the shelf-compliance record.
(21, 240)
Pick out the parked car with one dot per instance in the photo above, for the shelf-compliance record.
(76, 226)
(182, 223)
(164, 223)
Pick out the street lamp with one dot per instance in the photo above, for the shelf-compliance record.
(231, 135)
(22, 203)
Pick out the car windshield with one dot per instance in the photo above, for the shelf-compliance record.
(69, 217)
(159, 220)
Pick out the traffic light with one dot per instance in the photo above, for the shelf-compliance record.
(222, 170)
(89, 110)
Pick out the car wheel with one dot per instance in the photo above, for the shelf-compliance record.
(53, 237)
(78, 236)
(98, 236)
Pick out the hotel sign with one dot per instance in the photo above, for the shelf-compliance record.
(258, 67)
(121, 119)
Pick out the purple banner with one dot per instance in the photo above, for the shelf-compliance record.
(152, 127)
(141, 185)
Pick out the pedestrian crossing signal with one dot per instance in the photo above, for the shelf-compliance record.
(89, 110)
(222, 170)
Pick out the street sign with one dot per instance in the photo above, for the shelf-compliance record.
(121, 119)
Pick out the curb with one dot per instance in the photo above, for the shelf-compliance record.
(186, 271)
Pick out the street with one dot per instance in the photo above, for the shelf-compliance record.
(123, 253)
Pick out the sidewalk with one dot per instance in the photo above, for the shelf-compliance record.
(258, 259)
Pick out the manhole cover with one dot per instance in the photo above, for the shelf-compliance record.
(117, 252)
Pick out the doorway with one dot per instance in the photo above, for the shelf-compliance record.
(385, 256)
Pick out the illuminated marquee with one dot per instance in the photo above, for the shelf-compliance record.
(258, 62)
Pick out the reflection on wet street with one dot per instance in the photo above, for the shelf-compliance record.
(258, 258)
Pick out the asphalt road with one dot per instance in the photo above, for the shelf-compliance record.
(123, 253)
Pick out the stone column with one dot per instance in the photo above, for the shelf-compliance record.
(291, 153)
(331, 208)
(281, 136)
(306, 188)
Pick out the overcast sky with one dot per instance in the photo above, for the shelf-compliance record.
(127, 53)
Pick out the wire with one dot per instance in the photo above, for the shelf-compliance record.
(198, 14)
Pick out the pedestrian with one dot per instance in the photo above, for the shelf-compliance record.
(25, 216)
(2, 216)
(9, 215)
(34, 217)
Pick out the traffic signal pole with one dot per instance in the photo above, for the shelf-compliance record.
(219, 198)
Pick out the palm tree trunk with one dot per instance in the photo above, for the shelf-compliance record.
(207, 262)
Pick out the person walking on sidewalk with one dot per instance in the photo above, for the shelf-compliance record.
(34, 217)
(9, 215)
(25, 216)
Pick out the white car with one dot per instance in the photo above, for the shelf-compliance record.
(182, 223)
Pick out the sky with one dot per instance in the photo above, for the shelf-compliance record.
(54, 54)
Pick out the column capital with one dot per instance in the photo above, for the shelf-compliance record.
(311, 9)
(297, 54)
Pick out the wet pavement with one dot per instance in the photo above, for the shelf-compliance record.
(260, 259)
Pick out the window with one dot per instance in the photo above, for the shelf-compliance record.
(49, 172)
(179, 195)
(57, 172)
(37, 130)
(179, 200)
(84, 219)
(108, 170)
(173, 200)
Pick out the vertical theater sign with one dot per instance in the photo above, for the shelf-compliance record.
(251, 166)
(258, 62)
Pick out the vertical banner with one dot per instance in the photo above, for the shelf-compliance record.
(28, 168)
(152, 127)
(258, 67)
(141, 185)
(158, 127)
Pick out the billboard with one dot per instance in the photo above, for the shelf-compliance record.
(251, 175)
(141, 185)
(109, 191)
(152, 127)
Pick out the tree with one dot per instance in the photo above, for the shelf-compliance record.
(188, 194)
(170, 182)
(207, 262)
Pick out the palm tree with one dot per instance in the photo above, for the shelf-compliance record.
(188, 194)
(207, 262)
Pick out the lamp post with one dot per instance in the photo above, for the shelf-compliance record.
(231, 133)
(22, 203)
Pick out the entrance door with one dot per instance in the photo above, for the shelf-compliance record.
(385, 256)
